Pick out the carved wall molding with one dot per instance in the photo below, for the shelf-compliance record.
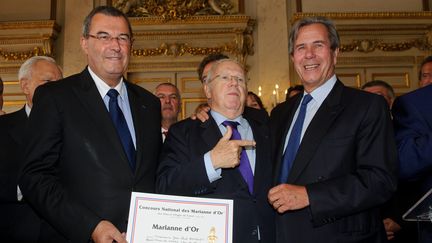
(181, 49)
(193, 37)
(20, 40)
(368, 45)
(174, 9)
(21, 55)
(367, 15)
(376, 61)
(213, 19)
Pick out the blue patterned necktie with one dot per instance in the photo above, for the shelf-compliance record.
(122, 128)
(294, 141)
(244, 167)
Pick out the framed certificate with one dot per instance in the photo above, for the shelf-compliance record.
(175, 219)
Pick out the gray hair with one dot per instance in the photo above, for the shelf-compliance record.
(25, 70)
(331, 29)
(216, 64)
(171, 85)
(381, 83)
(105, 10)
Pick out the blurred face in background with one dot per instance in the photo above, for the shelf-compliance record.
(252, 102)
(380, 90)
(41, 72)
(426, 74)
(170, 102)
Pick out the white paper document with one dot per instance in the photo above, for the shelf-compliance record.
(175, 219)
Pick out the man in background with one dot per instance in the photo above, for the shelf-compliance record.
(94, 138)
(382, 88)
(398, 230)
(425, 74)
(170, 99)
(412, 119)
(22, 224)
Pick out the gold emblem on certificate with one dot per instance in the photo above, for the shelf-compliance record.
(212, 235)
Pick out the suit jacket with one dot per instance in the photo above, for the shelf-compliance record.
(412, 118)
(346, 161)
(76, 172)
(182, 172)
(20, 223)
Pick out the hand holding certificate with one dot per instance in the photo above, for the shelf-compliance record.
(175, 219)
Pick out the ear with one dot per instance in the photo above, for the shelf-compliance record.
(84, 44)
(335, 54)
(24, 83)
(207, 91)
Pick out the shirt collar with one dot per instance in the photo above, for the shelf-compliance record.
(103, 88)
(27, 109)
(320, 93)
(219, 118)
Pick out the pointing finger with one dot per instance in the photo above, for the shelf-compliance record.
(244, 143)
(227, 135)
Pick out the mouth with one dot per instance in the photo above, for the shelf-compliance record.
(234, 94)
(113, 58)
(310, 67)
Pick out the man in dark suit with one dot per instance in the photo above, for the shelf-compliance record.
(335, 158)
(412, 118)
(198, 161)
(22, 224)
(94, 138)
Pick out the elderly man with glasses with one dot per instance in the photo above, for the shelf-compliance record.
(219, 159)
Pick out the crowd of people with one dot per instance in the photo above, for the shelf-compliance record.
(325, 166)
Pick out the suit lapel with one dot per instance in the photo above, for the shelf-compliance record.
(210, 132)
(139, 112)
(90, 97)
(261, 154)
(317, 129)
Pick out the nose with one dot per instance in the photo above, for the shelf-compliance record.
(235, 79)
(309, 52)
(115, 43)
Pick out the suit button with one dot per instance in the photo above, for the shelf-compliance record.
(254, 232)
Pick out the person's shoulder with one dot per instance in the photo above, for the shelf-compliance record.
(361, 96)
(420, 93)
(10, 119)
(258, 115)
(188, 123)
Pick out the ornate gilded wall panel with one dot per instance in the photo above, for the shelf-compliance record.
(19, 41)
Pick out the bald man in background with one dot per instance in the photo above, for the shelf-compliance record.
(22, 224)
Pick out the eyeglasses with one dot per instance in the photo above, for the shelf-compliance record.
(105, 38)
(226, 78)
